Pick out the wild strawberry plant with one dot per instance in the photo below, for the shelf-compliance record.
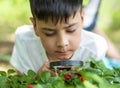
(92, 75)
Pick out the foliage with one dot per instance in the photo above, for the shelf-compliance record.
(109, 15)
(92, 75)
(14, 10)
(115, 24)
(13, 13)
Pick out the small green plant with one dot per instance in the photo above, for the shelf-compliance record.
(93, 74)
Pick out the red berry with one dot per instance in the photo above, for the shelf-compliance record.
(82, 78)
(67, 76)
(30, 86)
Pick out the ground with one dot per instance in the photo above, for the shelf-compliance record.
(5, 53)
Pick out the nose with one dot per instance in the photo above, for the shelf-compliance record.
(62, 41)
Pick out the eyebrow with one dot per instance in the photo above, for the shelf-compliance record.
(50, 29)
(70, 25)
(47, 29)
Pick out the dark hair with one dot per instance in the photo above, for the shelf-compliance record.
(54, 9)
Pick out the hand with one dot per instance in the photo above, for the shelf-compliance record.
(45, 67)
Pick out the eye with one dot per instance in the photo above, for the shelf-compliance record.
(71, 31)
(49, 33)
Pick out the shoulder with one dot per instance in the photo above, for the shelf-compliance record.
(25, 31)
(27, 49)
(25, 35)
(92, 38)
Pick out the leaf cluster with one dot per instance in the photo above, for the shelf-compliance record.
(10, 79)
(93, 74)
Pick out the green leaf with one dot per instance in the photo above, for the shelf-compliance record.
(3, 73)
(116, 80)
(87, 84)
(48, 85)
(70, 86)
(11, 71)
(94, 70)
(38, 86)
(30, 77)
(115, 86)
(45, 76)
(101, 82)
(59, 84)
(3, 81)
(27, 79)
(22, 86)
(31, 73)
(79, 86)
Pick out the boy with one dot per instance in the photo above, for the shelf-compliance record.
(56, 34)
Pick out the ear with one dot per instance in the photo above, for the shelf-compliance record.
(34, 25)
(82, 14)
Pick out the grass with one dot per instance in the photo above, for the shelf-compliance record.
(5, 57)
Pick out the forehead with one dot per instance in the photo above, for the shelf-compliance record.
(72, 19)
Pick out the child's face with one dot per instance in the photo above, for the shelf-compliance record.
(62, 39)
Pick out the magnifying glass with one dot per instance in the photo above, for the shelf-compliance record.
(65, 64)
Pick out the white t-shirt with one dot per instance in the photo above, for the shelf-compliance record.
(28, 52)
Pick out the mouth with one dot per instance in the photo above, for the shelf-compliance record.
(62, 52)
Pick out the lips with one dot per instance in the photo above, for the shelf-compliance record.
(63, 55)
(62, 52)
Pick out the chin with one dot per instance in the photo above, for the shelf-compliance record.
(64, 58)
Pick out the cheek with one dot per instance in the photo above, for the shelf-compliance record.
(48, 44)
(76, 40)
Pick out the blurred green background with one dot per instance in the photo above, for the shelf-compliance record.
(14, 13)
